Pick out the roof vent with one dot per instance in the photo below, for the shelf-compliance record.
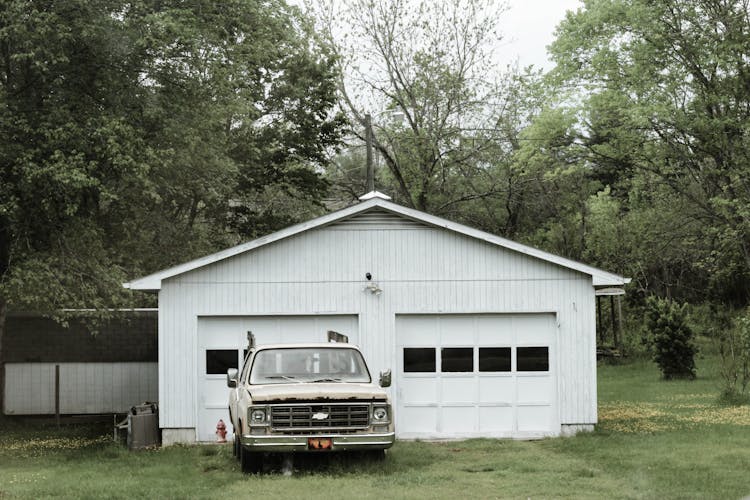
(374, 194)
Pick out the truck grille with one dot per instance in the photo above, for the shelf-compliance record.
(290, 418)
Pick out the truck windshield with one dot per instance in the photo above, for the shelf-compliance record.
(308, 364)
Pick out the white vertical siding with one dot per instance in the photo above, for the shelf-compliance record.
(177, 357)
(85, 388)
(419, 269)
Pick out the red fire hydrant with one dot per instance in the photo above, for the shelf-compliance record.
(221, 432)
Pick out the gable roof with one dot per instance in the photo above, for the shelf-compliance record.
(600, 278)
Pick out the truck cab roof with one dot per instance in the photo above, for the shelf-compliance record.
(307, 345)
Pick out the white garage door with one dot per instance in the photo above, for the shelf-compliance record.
(222, 341)
(476, 376)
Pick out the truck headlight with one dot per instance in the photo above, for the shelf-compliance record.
(257, 416)
(379, 414)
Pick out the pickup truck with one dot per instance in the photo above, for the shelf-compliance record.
(311, 398)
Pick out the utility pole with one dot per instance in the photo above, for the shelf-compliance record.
(368, 142)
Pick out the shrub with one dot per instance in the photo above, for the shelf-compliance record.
(670, 338)
(734, 349)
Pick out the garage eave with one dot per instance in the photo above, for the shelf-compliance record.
(609, 280)
(609, 291)
(152, 282)
(144, 284)
(600, 278)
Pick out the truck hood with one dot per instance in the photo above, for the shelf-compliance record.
(319, 391)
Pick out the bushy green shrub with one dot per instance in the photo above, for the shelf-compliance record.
(670, 338)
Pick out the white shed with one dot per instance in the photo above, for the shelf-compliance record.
(486, 337)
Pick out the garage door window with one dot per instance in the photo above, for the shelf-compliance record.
(461, 359)
(218, 361)
(419, 359)
(532, 359)
(457, 359)
(494, 359)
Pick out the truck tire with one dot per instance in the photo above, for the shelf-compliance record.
(250, 462)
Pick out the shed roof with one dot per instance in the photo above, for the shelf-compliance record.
(376, 200)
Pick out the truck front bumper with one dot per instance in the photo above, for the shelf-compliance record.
(298, 443)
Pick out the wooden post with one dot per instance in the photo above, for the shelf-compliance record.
(618, 336)
(3, 312)
(368, 142)
(599, 325)
(57, 395)
(612, 314)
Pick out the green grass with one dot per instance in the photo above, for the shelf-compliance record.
(656, 439)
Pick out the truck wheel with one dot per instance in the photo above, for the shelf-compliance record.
(250, 462)
(236, 446)
(375, 455)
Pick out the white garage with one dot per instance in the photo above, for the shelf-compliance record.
(485, 336)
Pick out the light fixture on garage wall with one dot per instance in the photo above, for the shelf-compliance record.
(372, 287)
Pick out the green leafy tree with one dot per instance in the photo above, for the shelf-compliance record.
(443, 117)
(670, 338)
(664, 116)
(134, 135)
(552, 168)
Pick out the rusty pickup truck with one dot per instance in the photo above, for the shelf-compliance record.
(310, 398)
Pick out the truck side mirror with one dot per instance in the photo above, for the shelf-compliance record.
(385, 378)
(232, 377)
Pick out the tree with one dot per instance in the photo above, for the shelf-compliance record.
(665, 114)
(443, 116)
(140, 134)
(557, 183)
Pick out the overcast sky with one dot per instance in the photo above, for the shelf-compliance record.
(528, 27)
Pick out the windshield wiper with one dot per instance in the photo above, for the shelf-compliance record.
(327, 379)
(283, 377)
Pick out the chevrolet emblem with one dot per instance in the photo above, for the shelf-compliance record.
(320, 416)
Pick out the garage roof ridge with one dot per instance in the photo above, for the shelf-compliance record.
(153, 281)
